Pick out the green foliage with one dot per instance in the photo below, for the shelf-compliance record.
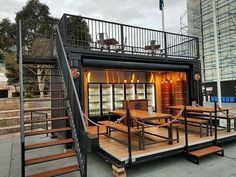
(12, 71)
(35, 20)
(7, 37)
(78, 32)
(28, 95)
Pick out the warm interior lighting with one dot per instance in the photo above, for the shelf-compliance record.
(152, 78)
(138, 81)
(118, 76)
(125, 81)
(132, 77)
(88, 76)
(107, 77)
(113, 77)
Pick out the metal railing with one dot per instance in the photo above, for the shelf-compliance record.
(22, 126)
(99, 35)
(79, 129)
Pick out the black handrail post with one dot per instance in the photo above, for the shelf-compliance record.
(129, 135)
(122, 38)
(186, 129)
(165, 41)
(198, 50)
(22, 138)
(215, 110)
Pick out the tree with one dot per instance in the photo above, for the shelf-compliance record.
(37, 26)
(35, 20)
(78, 31)
(7, 37)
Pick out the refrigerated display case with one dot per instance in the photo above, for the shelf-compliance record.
(107, 100)
(140, 91)
(119, 96)
(151, 96)
(130, 91)
(107, 97)
(94, 99)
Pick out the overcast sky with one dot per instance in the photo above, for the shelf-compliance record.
(143, 13)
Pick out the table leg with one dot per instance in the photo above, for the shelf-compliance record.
(228, 121)
(170, 133)
(211, 124)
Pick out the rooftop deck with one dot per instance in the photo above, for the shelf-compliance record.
(88, 34)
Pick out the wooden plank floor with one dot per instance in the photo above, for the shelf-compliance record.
(120, 150)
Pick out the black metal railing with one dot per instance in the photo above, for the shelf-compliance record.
(99, 35)
(79, 128)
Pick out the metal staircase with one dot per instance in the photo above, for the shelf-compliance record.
(64, 118)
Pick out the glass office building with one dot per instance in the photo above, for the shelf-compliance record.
(200, 23)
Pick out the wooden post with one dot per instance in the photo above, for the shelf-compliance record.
(118, 171)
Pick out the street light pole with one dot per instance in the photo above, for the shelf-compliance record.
(216, 52)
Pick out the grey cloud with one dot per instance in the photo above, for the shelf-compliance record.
(143, 13)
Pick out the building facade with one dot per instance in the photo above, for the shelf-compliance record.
(200, 23)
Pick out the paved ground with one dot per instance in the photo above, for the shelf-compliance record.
(177, 166)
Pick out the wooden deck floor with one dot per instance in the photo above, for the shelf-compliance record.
(120, 150)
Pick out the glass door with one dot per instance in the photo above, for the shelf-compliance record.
(119, 96)
(140, 91)
(130, 92)
(94, 100)
(151, 97)
(107, 102)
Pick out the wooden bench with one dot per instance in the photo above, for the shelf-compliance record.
(174, 125)
(196, 121)
(124, 129)
(194, 156)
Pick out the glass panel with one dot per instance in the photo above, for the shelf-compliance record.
(140, 90)
(94, 100)
(119, 96)
(151, 97)
(130, 92)
(106, 98)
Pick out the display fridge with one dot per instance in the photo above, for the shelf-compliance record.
(130, 91)
(119, 96)
(140, 91)
(94, 100)
(151, 97)
(107, 99)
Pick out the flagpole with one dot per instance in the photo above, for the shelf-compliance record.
(216, 53)
(163, 18)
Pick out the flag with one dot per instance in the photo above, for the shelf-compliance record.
(161, 4)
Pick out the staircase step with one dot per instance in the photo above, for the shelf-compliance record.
(12, 129)
(50, 158)
(206, 151)
(194, 156)
(57, 172)
(43, 99)
(39, 132)
(44, 109)
(47, 144)
(44, 120)
(32, 91)
(48, 75)
(43, 82)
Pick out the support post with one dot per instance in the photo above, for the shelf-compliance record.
(129, 135)
(216, 52)
(215, 111)
(186, 129)
(22, 139)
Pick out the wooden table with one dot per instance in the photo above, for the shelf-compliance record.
(201, 109)
(108, 43)
(143, 116)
